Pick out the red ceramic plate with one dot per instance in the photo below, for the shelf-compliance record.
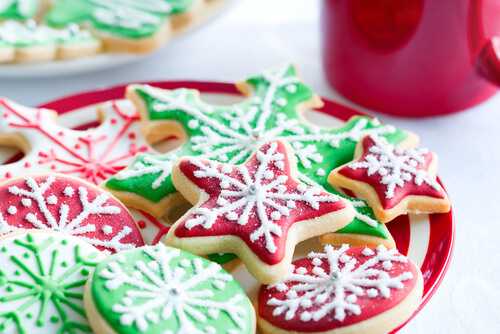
(426, 239)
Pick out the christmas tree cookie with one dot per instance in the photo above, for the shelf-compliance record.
(339, 291)
(24, 42)
(124, 25)
(232, 133)
(42, 280)
(393, 180)
(157, 289)
(67, 205)
(258, 210)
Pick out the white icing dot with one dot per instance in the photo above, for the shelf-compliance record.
(290, 204)
(275, 215)
(306, 316)
(301, 270)
(367, 252)
(107, 229)
(281, 102)
(68, 191)
(316, 261)
(279, 164)
(52, 199)
(226, 169)
(291, 88)
(321, 172)
(185, 263)
(387, 265)
(372, 293)
(193, 124)
(26, 202)
(301, 187)
(268, 174)
(232, 215)
(12, 210)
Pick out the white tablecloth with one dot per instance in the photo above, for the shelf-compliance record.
(257, 34)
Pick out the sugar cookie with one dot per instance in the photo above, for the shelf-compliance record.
(232, 133)
(345, 290)
(393, 180)
(128, 26)
(257, 210)
(92, 154)
(24, 42)
(42, 278)
(157, 289)
(68, 205)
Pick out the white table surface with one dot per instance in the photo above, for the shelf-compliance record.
(258, 34)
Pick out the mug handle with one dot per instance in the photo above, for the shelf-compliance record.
(488, 62)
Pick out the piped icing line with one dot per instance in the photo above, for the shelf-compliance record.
(42, 279)
(392, 179)
(29, 33)
(337, 288)
(83, 214)
(158, 287)
(232, 133)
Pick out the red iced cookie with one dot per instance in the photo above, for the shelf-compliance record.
(344, 290)
(393, 180)
(68, 205)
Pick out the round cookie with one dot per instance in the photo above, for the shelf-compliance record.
(42, 279)
(68, 205)
(157, 289)
(345, 290)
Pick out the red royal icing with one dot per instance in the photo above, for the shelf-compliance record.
(305, 301)
(379, 157)
(70, 206)
(265, 200)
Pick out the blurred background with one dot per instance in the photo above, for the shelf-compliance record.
(252, 35)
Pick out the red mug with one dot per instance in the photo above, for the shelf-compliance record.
(412, 57)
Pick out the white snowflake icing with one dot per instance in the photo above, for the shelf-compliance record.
(160, 290)
(316, 294)
(63, 223)
(255, 194)
(395, 166)
(250, 126)
(150, 165)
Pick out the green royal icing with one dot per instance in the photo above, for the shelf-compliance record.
(157, 289)
(38, 294)
(232, 133)
(18, 9)
(122, 18)
(27, 34)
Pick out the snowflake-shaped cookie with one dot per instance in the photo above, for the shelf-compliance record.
(41, 282)
(232, 133)
(93, 154)
(70, 206)
(165, 290)
(341, 287)
(259, 209)
(393, 180)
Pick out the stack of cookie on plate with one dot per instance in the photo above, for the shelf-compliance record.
(101, 233)
(43, 30)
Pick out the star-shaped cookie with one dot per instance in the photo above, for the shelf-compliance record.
(393, 180)
(258, 210)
